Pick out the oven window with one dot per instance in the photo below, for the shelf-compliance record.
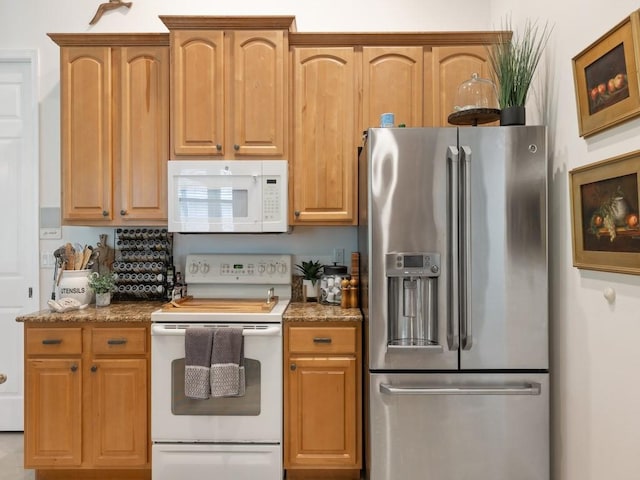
(248, 404)
(198, 201)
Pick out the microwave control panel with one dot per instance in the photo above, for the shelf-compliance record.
(271, 210)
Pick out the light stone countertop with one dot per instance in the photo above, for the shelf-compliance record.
(130, 311)
(315, 312)
(140, 311)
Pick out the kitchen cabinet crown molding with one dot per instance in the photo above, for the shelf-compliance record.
(205, 22)
(109, 39)
(429, 39)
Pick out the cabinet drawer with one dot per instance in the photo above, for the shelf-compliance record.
(322, 339)
(116, 341)
(54, 341)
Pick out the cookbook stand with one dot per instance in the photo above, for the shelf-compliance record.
(474, 116)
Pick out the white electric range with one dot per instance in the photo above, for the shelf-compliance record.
(232, 438)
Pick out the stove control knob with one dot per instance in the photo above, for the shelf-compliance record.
(282, 268)
(271, 269)
(261, 268)
(205, 268)
(193, 268)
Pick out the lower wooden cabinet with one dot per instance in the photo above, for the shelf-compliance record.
(323, 398)
(87, 399)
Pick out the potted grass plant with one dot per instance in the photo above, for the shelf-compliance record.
(310, 275)
(514, 58)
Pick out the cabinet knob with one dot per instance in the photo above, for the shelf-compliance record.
(94, 368)
(123, 212)
(292, 367)
(105, 213)
(3, 378)
(297, 213)
(218, 147)
(236, 147)
(74, 367)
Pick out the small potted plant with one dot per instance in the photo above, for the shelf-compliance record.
(310, 275)
(102, 284)
(513, 61)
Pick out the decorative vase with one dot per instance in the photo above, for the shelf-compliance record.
(103, 299)
(620, 210)
(513, 116)
(310, 289)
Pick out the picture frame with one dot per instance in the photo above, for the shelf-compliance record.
(607, 86)
(605, 214)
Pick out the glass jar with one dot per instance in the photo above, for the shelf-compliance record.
(330, 284)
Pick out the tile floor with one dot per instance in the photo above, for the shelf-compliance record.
(11, 456)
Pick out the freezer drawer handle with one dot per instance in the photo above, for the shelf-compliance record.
(526, 389)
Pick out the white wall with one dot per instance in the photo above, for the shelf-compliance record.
(596, 425)
(595, 355)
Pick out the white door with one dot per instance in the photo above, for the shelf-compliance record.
(19, 233)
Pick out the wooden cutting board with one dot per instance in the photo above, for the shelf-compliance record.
(214, 305)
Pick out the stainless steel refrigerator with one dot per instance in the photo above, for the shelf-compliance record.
(453, 240)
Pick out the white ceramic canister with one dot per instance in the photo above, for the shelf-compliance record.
(75, 284)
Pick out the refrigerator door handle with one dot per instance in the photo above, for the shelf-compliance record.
(466, 336)
(453, 320)
(525, 389)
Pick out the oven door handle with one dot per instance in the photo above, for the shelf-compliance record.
(270, 331)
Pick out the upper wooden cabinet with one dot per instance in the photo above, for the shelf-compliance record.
(229, 87)
(392, 81)
(451, 66)
(325, 116)
(114, 128)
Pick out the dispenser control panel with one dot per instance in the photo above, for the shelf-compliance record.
(416, 264)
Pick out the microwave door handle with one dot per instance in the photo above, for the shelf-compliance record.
(454, 311)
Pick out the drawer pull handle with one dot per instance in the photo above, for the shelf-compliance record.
(3, 378)
(74, 367)
(117, 341)
(293, 367)
(52, 341)
(322, 340)
(94, 368)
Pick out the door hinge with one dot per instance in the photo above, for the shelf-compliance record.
(30, 292)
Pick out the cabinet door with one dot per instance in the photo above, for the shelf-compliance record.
(197, 101)
(392, 81)
(144, 133)
(85, 81)
(118, 420)
(451, 67)
(53, 413)
(322, 412)
(257, 93)
(325, 149)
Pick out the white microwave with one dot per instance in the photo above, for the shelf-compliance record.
(227, 196)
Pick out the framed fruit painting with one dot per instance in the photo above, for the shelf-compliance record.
(606, 81)
(605, 212)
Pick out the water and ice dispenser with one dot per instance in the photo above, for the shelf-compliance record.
(412, 291)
